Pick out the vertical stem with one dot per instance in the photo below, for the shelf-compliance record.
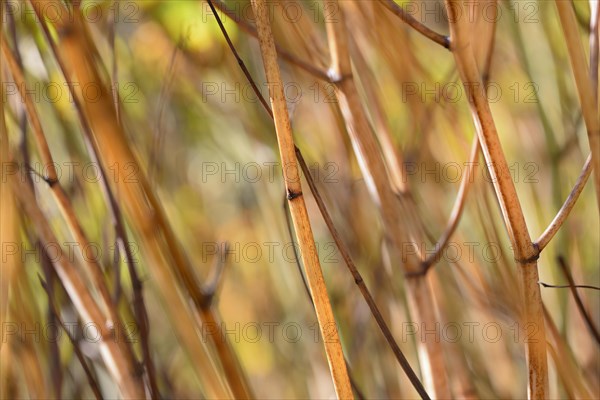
(525, 253)
(291, 174)
(585, 84)
(394, 213)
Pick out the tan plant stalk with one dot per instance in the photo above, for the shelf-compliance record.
(168, 262)
(118, 365)
(366, 148)
(525, 253)
(301, 222)
(392, 6)
(93, 268)
(566, 208)
(8, 231)
(585, 84)
(457, 209)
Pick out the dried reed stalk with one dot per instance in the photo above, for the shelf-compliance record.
(421, 298)
(301, 222)
(525, 252)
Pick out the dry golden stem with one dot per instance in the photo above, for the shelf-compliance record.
(111, 348)
(393, 158)
(8, 213)
(301, 222)
(525, 253)
(459, 205)
(366, 148)
(56, 189)
(415, 24)
(140, 204)
(566, 208)
(284, 54)
(585, 85)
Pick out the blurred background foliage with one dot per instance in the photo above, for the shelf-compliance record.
(209, 150)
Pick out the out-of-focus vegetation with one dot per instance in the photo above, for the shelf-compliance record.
(163, 114)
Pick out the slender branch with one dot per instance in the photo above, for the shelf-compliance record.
(330, 225)
(168, 262)
(302, 227)
(159, 132)
(585, 85)
(548, 285)
(118, 363)
(396, 9)
(218, 270)
(290, 230)
(457, 209)
(284, 54)
(525, 253)
(139, 307)
(566, 208)
(584, 313)
(459, 203)
(76, 349)
(359, 281)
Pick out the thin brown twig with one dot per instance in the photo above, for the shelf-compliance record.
(457, 209)
(359, 281)
(301, 222)
(584, 313)
(159, 130)
(284, 54)
(551, 286)
(290, 230)
(239, 60)
(567, 206)
(76, 349)
(526, 253)
(408, 19)
(211, 288)
(340, 244)
(585, 85)
(169, 264)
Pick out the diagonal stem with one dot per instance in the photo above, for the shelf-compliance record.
(308, 253)
(525, 252)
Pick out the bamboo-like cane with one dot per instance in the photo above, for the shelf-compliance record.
(525, 253)
(119, 366)
(585, 85)
(421, 298)
(291, 174)
(169, 264)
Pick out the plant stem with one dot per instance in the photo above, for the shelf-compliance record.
(584, 313)
(291, 174)
(392, 6)
(421, 298)
(526, 254)
(167, 260)
(119, 365)
(585, 84)
(566, 208)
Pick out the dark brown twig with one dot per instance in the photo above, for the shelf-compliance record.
(139, 307)
(343, 249)
(586, 316)
(392, 6)
(86, 369)
(284, 54)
